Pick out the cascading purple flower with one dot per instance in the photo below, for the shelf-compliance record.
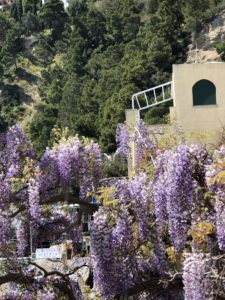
(159, 189)
(114, 264)
(5, 226)
(89, 168)
(34, 199)
(5, 187)
(48, 295)
(5, 193)
(174, 189)
(16, 147)
(140, 191)
(122, 140)
(12, 293)
(145, 144)
(76, 290)
(28, 295)
(133, 196)
(72, 161)
(216, 183)
(194, 277)
(220, 222)
(50, 175)
(137, 193)
(180, 194)
(95, 162)
(102, 253)
(64, 162)
(21, 236)
(125, 261)
(215, 171)
(123, 232)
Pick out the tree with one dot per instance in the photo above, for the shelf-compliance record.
(31, 23)
(70, 103)
(54, 17)
(17, 10)
(20, 8)
(45, 51)
(196, 12)
(77, 8)
(41, 126)
(31, 6)
(111, 114)
(11, 104)
(11, 47)
(122, 20)
(152, 6)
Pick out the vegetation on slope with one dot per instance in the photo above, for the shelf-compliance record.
(78, 69)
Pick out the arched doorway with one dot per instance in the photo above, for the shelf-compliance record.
(204, 93)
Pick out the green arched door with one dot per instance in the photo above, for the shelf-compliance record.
(204, 93)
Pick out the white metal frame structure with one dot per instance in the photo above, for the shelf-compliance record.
(156, 93)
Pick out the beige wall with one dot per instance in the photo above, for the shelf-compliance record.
(132, 116)
(199, 119)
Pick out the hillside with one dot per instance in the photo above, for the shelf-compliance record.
(78, 68)
(206, 41)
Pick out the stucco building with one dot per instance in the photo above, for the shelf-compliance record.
(198, 92)
(197, 96)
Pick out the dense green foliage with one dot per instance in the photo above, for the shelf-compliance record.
(93, 57)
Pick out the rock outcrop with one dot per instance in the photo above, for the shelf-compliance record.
(203, 48)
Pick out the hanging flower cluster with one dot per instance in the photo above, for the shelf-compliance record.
(196, 283)
(21, 236)
(72, 162)
(114, 233)
(174, 188)
(216, 182)
(145, 144)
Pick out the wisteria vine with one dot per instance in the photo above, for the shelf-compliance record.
(159, 234)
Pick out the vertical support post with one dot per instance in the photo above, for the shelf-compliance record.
(146, 99)
(138, 102)
(155, 96)
(173, 94)
(163, 93)
(132, 102)
(132, 115)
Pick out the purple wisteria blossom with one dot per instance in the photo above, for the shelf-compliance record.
(145, 144)
(140, 191)
(16, 146)
(159, 189)
(122, 140)
(73, 162)
(174, 189)
(194, 277)
(48, 295)
(21, 236)
(180, 194)
(103, 255)
(34, 199)
(216, 182)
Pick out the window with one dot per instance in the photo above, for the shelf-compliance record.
(204, 93)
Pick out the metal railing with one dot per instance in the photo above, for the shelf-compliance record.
(152, 97)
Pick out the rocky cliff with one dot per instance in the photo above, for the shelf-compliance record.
(202, 48)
